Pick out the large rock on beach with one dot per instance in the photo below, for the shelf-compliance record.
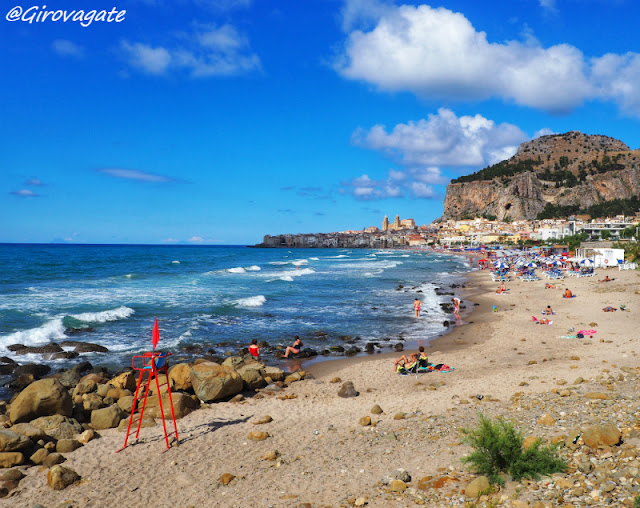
(106, 418)
(60, 477)
(274, 373)
(179, 377)
(602, 435)
(252, 376)
(212, 381)
(182, 405)
(347, 390)
(41, 398)
(31, 431)
(125, 381)
(58, 426)
(12, 441)
(10, 459)
(35, 369)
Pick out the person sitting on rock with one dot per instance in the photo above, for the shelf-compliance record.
(295, 348)
(254, 349)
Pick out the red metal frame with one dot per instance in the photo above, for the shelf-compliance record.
(150, 362)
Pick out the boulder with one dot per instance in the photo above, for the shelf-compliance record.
(601, 435)
(103, 389)
(41, 398)
(47, 348)
(125, 381)
(85, 386)
(21, 382)
(252, 376)
(36, 370)
(60, 477)
(182, 405)
(69, 378)
(10, 459)
(106, 418)
(58, 426)
(147, 421)
(274, 373)
(52, 459)
(87, 347)
(11, 441)
(179, 377)
(67, 445)
(126, 403)
(39, 456)
(99, 377)
(235, 362)
(347, 390)
(87, 436)
(116, 393)
(31, 431)
(91, 401)
(477, 487)
(11, 475)
(212, 381)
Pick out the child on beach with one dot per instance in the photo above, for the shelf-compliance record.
(254, 349)
(417, 305)
(295, 348)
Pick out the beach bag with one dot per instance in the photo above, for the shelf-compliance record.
(580, 336)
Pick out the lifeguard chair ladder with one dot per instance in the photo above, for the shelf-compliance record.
(152, 363)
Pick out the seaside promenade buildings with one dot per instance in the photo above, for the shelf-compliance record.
(471, 232)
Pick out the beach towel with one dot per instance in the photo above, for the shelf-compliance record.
(588, 332)
(444, 368)
(567, 337)
(572, 296)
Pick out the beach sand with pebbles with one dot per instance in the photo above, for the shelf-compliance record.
(318, 454)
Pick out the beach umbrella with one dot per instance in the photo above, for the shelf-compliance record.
(501, 265)
(531, 264)
(587, 261)
(483, 261)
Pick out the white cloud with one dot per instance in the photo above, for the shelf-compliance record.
(196, 239)
(438, 53)
(549, 5)
(444, 139)
(396, 185)
(146, 58)
(67, 48)
(422, 190)
(25, 193)
(35, 182)
(134, 174)
(208, 51)
(545, 131)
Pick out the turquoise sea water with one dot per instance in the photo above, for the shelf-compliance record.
(217, 297)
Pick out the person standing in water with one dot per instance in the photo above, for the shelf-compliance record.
(417, 305)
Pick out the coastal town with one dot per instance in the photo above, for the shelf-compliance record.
(469, 232)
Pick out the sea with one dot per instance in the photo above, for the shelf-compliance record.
(217, 298)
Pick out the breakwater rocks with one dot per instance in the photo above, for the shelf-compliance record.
(53, 416)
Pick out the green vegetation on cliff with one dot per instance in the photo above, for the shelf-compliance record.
(605, 209)
(501, 169)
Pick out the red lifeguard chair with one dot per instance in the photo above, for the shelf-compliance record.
(149, 365)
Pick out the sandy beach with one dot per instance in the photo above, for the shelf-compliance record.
(319, 455)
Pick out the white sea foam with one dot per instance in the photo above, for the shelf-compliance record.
(252, 301)
(286, 278)
(239, 269)
(254, 268)
(338, 256)
(175, 262)
(106, 315)
(49, 331)
(314, 259)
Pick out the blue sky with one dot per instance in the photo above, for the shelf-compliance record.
(219, 121)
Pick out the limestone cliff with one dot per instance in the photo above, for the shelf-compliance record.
(560, 169)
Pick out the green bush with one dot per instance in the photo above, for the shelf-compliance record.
(498, 449)
(636, 502)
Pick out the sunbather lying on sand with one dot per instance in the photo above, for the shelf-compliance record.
(542, 321)
(608, 308)
(606, 279)
(549, 286)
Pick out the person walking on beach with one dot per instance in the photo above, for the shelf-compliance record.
(295, 348)
(417, 305)
(456, 306)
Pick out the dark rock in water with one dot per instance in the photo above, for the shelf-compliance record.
(16, 347)
(346, 337)
(445, 323)
(419, 291)
(190, 348)
(75, 331)
(6, 369)
(374, 308)
(337, 349)
(263, 343)
(7, 360)
(400, 286)
(62, 355)
(88, 347)
(21, 382)
(306, 353)
(35, 369)
(82, 367)
(320, 333)
(347, 390)
(49, 348)
(370, 347)
(352, 351)
(325, 352)
(398, 346)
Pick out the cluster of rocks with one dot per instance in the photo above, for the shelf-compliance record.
(595, 431)
(60, 413)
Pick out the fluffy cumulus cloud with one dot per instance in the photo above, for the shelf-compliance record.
(437, 53)
(207, 51)
(444, 139)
